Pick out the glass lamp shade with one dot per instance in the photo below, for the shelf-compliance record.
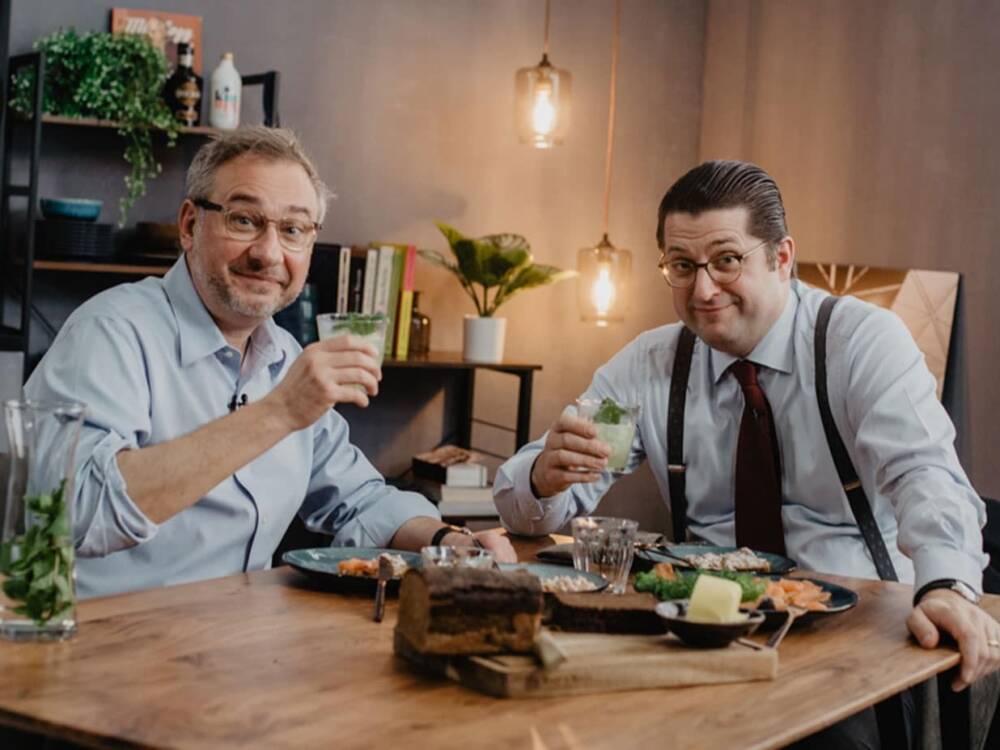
(543, 104)
(602, 286)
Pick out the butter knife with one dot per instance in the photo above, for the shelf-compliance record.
(384, 576)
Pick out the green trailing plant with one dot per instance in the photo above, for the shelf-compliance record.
(497, 263)
(107, 76)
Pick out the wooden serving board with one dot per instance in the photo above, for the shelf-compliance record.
(599, 663)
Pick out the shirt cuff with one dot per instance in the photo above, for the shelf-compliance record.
(935, 563)
(108, 520)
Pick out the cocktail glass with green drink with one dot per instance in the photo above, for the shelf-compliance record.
(370, 327)
(615, 425)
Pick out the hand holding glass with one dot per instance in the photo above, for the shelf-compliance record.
(369, 327)
(615, 425)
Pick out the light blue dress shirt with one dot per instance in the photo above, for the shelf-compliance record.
(884, 403)
(151, 365)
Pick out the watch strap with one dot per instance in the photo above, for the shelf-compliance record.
(952, 584)
(444, 531)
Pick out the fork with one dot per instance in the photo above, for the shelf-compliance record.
(384, 574)
(778, 635)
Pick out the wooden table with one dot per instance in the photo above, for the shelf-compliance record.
(265, 660)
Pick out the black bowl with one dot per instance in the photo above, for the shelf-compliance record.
(705, 634)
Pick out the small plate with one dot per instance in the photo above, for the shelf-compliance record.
(841, 599)
(705, 634)
(321, 564)
(546, 572)
(647, 558)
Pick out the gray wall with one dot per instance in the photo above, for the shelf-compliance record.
(879, 121)
(407, 107)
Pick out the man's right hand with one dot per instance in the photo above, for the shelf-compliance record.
(571, 454)
(325, 374)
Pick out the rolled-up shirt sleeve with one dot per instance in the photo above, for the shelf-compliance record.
(904, 443)
(347, 497)
(116, 395)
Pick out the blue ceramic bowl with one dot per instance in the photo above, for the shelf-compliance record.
(79, 209)
(705, 634)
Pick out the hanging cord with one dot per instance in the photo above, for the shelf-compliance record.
(545, 47)
(611, 118)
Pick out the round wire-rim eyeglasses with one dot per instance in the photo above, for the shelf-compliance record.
(724, 268)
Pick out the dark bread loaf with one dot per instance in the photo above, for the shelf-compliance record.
(445, 610)
(603, 613)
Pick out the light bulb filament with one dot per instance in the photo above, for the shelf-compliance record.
(543, 111)
(602, 293)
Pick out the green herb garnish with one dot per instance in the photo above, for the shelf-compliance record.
(40, 579)
(360, 324)
(609, 412)
(751, 586)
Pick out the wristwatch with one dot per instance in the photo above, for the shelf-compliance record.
(961, 588)
(444, 531)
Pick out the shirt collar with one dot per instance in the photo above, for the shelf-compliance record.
(775, 351)
(199, 335)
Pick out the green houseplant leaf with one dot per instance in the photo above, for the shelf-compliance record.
(498, 262)
(108, 77)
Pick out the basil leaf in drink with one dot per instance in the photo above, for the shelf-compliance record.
(360, 324)
(609, 412)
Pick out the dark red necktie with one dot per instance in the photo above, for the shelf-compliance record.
(758, 469)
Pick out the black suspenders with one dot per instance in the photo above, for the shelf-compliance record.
(856, 497)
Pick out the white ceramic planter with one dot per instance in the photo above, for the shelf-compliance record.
(483, 338)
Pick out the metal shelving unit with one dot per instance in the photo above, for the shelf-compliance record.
(23, 265)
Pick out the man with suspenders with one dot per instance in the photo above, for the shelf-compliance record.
(778, 417)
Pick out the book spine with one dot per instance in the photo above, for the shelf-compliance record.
(356, 288)
(395, 285)
(371, 271)
(383, 280)
(343, 278)
(406, 303)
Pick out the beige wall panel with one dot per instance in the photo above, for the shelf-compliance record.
(878, 119)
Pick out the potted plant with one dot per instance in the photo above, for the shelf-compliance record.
(106, 76)
(491, 270)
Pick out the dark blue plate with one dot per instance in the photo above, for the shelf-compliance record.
(321, 564)
(647, 558)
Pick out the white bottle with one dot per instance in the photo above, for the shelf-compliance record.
(226, 91)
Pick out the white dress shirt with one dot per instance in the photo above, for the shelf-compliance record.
(884, 403)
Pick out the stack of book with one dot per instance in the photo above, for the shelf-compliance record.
(454, 479)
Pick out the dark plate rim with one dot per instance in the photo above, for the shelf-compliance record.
(412, 558)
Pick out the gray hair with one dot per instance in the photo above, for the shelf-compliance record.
(273, 144)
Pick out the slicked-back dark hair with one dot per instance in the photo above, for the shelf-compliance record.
(729, 184)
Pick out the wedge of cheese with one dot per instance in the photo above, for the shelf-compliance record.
(715, 599)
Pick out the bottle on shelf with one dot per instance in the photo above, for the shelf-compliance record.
(420, 329)
(182, 91)
(226, 91)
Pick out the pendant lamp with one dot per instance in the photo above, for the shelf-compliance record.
(542, 100)
(605, 269)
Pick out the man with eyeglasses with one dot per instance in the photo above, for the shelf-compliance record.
(208, 428)
(747, 461)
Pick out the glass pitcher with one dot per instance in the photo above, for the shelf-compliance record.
(37, 588)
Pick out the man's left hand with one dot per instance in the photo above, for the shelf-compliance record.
(977, 634)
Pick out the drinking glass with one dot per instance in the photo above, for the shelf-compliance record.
(615, 426)
(37, 588)
(369, 327)
(605, 545)
(457, 557)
